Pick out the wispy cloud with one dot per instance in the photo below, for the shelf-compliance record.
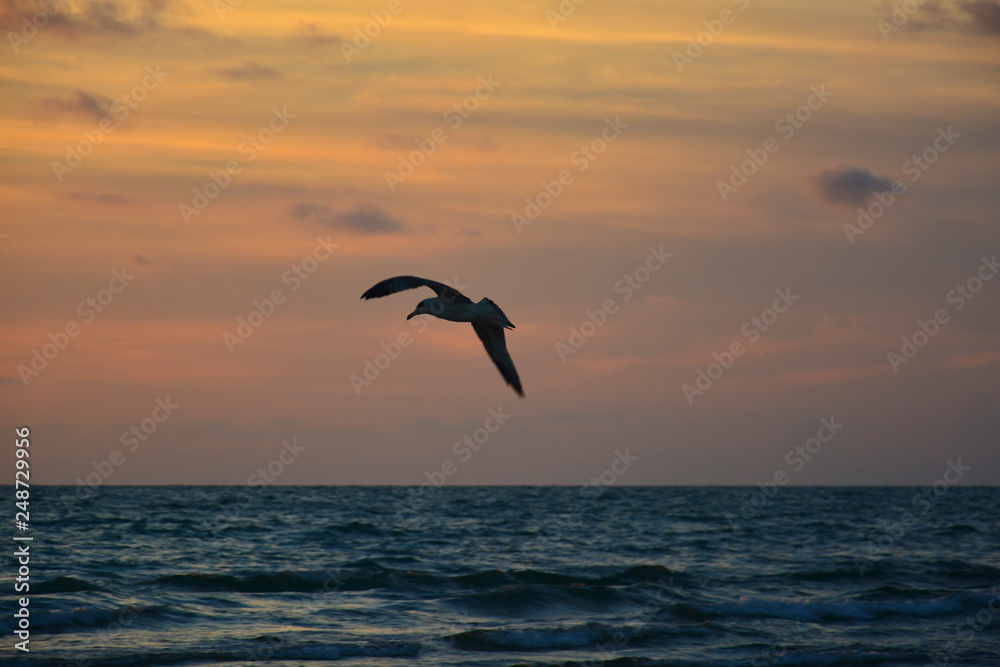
(103, 18)
(315, 34)
(315, 212)
(370, 219)
(77, 105)
(364, 219)
(250, 70)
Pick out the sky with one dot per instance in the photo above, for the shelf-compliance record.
(742, 242)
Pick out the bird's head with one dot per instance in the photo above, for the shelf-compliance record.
(423, 308)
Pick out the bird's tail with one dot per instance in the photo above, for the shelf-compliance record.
(493, 312)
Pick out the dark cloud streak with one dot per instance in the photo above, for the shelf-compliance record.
(77, 105)
(848, 186)
(364, 219)
(314, 34)
(985, 15)
(250, 70)
(102, 18)
(966, 16)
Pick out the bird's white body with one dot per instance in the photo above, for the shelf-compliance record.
(486, 318)
(454, 311)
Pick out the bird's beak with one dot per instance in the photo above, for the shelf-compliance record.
(413, 314)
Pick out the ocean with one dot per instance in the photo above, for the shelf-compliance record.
(504, 576)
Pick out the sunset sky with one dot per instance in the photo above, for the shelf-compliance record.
(181, 164)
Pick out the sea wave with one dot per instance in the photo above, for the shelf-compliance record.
(813, 610)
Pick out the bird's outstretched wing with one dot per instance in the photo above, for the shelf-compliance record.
(496, 346)
(401, 283)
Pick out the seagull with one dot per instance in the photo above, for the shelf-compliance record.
(450, 304)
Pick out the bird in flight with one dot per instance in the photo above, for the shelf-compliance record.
(450, 304)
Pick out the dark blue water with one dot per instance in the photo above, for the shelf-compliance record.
(501, 576)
